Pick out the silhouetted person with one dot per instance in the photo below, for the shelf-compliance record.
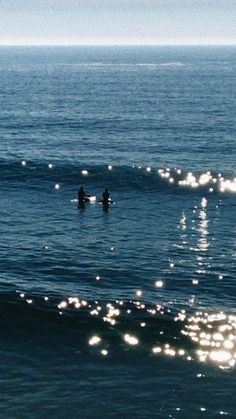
(106, 198)
(82, 197)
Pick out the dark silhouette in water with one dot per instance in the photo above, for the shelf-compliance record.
(82, 197)
(106, 199)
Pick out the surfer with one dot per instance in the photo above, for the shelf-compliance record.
(82, 197)
(106, 199)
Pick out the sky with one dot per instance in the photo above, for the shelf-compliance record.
(117, 22)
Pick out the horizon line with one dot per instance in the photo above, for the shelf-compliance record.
(115, 44)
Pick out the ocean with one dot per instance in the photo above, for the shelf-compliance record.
(127, 312)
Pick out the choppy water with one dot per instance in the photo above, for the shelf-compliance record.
(128, 312)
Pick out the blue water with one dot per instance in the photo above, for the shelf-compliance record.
(130, 312)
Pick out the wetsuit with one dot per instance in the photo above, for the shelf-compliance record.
(105, 198)
(81, 197)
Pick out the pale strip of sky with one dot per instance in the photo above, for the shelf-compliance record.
(130, 22)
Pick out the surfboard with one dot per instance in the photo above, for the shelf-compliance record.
(109, 201)
(91, 199)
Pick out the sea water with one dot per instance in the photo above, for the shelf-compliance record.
(129, 312)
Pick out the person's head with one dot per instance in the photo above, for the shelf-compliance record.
(81, 188)
(106, 190)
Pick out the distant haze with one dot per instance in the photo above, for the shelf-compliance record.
(117, 22)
